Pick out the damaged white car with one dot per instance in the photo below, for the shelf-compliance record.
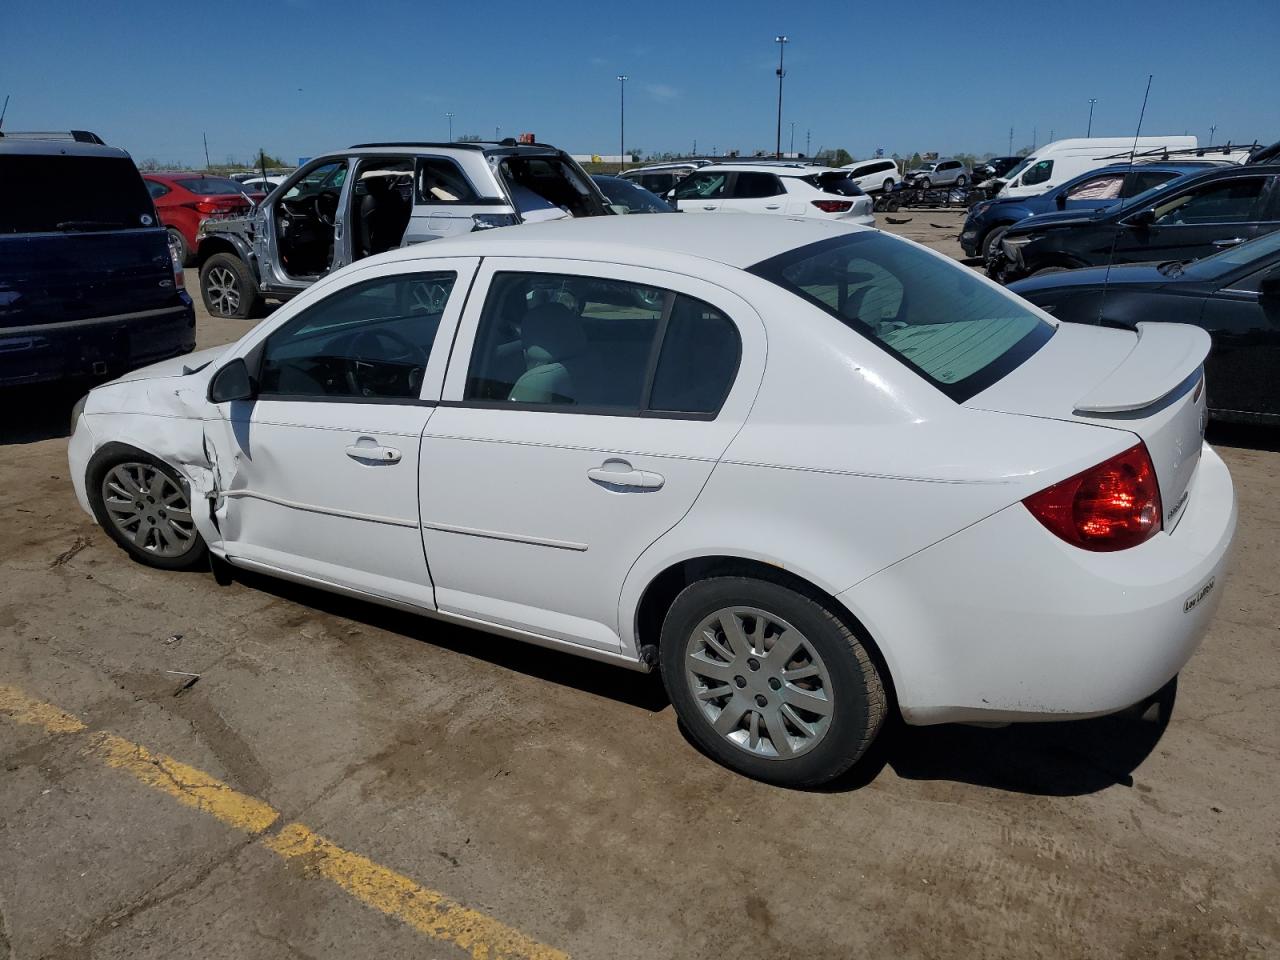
(814, 472)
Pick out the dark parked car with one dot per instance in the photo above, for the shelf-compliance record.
(988, 220)
(1235, 295)
(88, 285)
(1185, 220)
(995, 167)
(631, 196)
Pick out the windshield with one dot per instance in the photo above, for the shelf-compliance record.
(1245, 255)
(926, 168)
(937, 317)
(40, 194)
(636, 199)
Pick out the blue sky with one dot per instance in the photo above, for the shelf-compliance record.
(305, 76)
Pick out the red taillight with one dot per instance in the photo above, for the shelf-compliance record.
(1113, 506)
(219, 206)
(832, 206)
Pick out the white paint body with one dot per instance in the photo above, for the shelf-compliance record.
(1080, 155)
(830, 458)
(795, 199)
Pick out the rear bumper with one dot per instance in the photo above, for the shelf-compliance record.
(99, 346)
(1004, 622)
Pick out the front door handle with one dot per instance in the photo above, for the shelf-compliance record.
(710, 207)
(369, 450)
(1228, 243)
(772, 206)
(620, 473)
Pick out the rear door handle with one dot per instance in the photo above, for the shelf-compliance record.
(369, 450)
(772, 206)
(620, 473)
(711, 207)
(1228, 243)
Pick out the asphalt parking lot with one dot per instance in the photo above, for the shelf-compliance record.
(263, 771)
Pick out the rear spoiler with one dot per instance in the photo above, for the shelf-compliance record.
(1163, 358)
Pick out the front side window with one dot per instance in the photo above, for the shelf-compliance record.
(367, 341)
(751, 186)
(593, 345)
(1099, 188)
(1228, 201)
(701, 186)
(327, 176)
(440, 180)
(949, 326)
(1039, 173)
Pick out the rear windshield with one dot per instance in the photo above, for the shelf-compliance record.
(938, 317)
(207, 186)
(834, 182)
(40, 194)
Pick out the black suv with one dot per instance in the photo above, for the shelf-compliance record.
(88, 285)
(1184, 219)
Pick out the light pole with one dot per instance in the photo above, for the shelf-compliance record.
(793, 138)
(622, 122)
(449, 117)
(1212, 130)
(782, 42)
(1092, 101)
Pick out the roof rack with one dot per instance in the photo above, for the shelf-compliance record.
(79, 136)
(1164, 153)
(458, 144)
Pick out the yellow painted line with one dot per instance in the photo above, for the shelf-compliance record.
(22, 709)
(427, 911)
(396, 895)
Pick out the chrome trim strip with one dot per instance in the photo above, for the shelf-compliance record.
(512, 537)
(327, 511)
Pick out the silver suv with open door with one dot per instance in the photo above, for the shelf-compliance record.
(353, 203)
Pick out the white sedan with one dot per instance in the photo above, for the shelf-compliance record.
(813, 472)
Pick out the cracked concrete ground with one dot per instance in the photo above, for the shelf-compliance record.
(559, 796)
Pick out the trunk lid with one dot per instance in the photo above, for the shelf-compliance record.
(56, 277)
(1149, 382)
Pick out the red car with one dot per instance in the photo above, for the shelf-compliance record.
(185, 200)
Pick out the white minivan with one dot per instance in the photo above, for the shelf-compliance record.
(874, 175)
(1056, 163)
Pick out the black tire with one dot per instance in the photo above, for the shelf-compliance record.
(227, 287)
(119, 455)
(888, 185)
(961, 180)
(856, 692)
(179, 244)
(924, 183)
(991, 242)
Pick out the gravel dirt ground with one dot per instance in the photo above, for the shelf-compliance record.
(557, 797)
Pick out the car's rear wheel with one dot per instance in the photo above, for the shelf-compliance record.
(961, 180)
(769, 681)
(179, 244)
(227, 288)
(924, 183)
(145, 506)
(888, 186)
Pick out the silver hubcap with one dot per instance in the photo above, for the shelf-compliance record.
(149, 508)
(223, 290)
(759, 682)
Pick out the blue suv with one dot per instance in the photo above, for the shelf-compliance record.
(988, 220)
(88, 286)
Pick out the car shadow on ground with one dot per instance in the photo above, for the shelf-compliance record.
(38, 412)
(1048, 759)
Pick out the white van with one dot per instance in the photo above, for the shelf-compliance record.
(872, 175)
(1058, 162)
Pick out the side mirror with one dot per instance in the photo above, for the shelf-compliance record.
(232, 382)
(1143, 218)
(619, 208)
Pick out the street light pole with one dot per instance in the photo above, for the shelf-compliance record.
(782, 42)
(1092, 101)
(449, 117)
(793, 138)
(622, 122)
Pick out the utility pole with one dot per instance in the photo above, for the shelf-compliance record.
(807, 135)
(622, 122)
(449, 117)
(1011, 141)
(782, 42)
(1089, 132)
(793, 138)
(497, 133)
(207, 164)
(1035, 137)
(1212, 130)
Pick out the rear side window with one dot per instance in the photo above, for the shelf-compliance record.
(753, 185)
(937, 317)
(40, 194)
(440, 180)
(593, 345)
(156, 189)
(1143, 180)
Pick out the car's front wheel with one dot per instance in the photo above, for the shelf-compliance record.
(227, 287)
(888, 186)
(770, 682)
(145, 506)
(991, 243)
(961, 180)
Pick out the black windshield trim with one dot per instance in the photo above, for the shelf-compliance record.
(960, 391)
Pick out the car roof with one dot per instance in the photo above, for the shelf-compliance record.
(781, 169)
(56, 148)
(736, 241)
